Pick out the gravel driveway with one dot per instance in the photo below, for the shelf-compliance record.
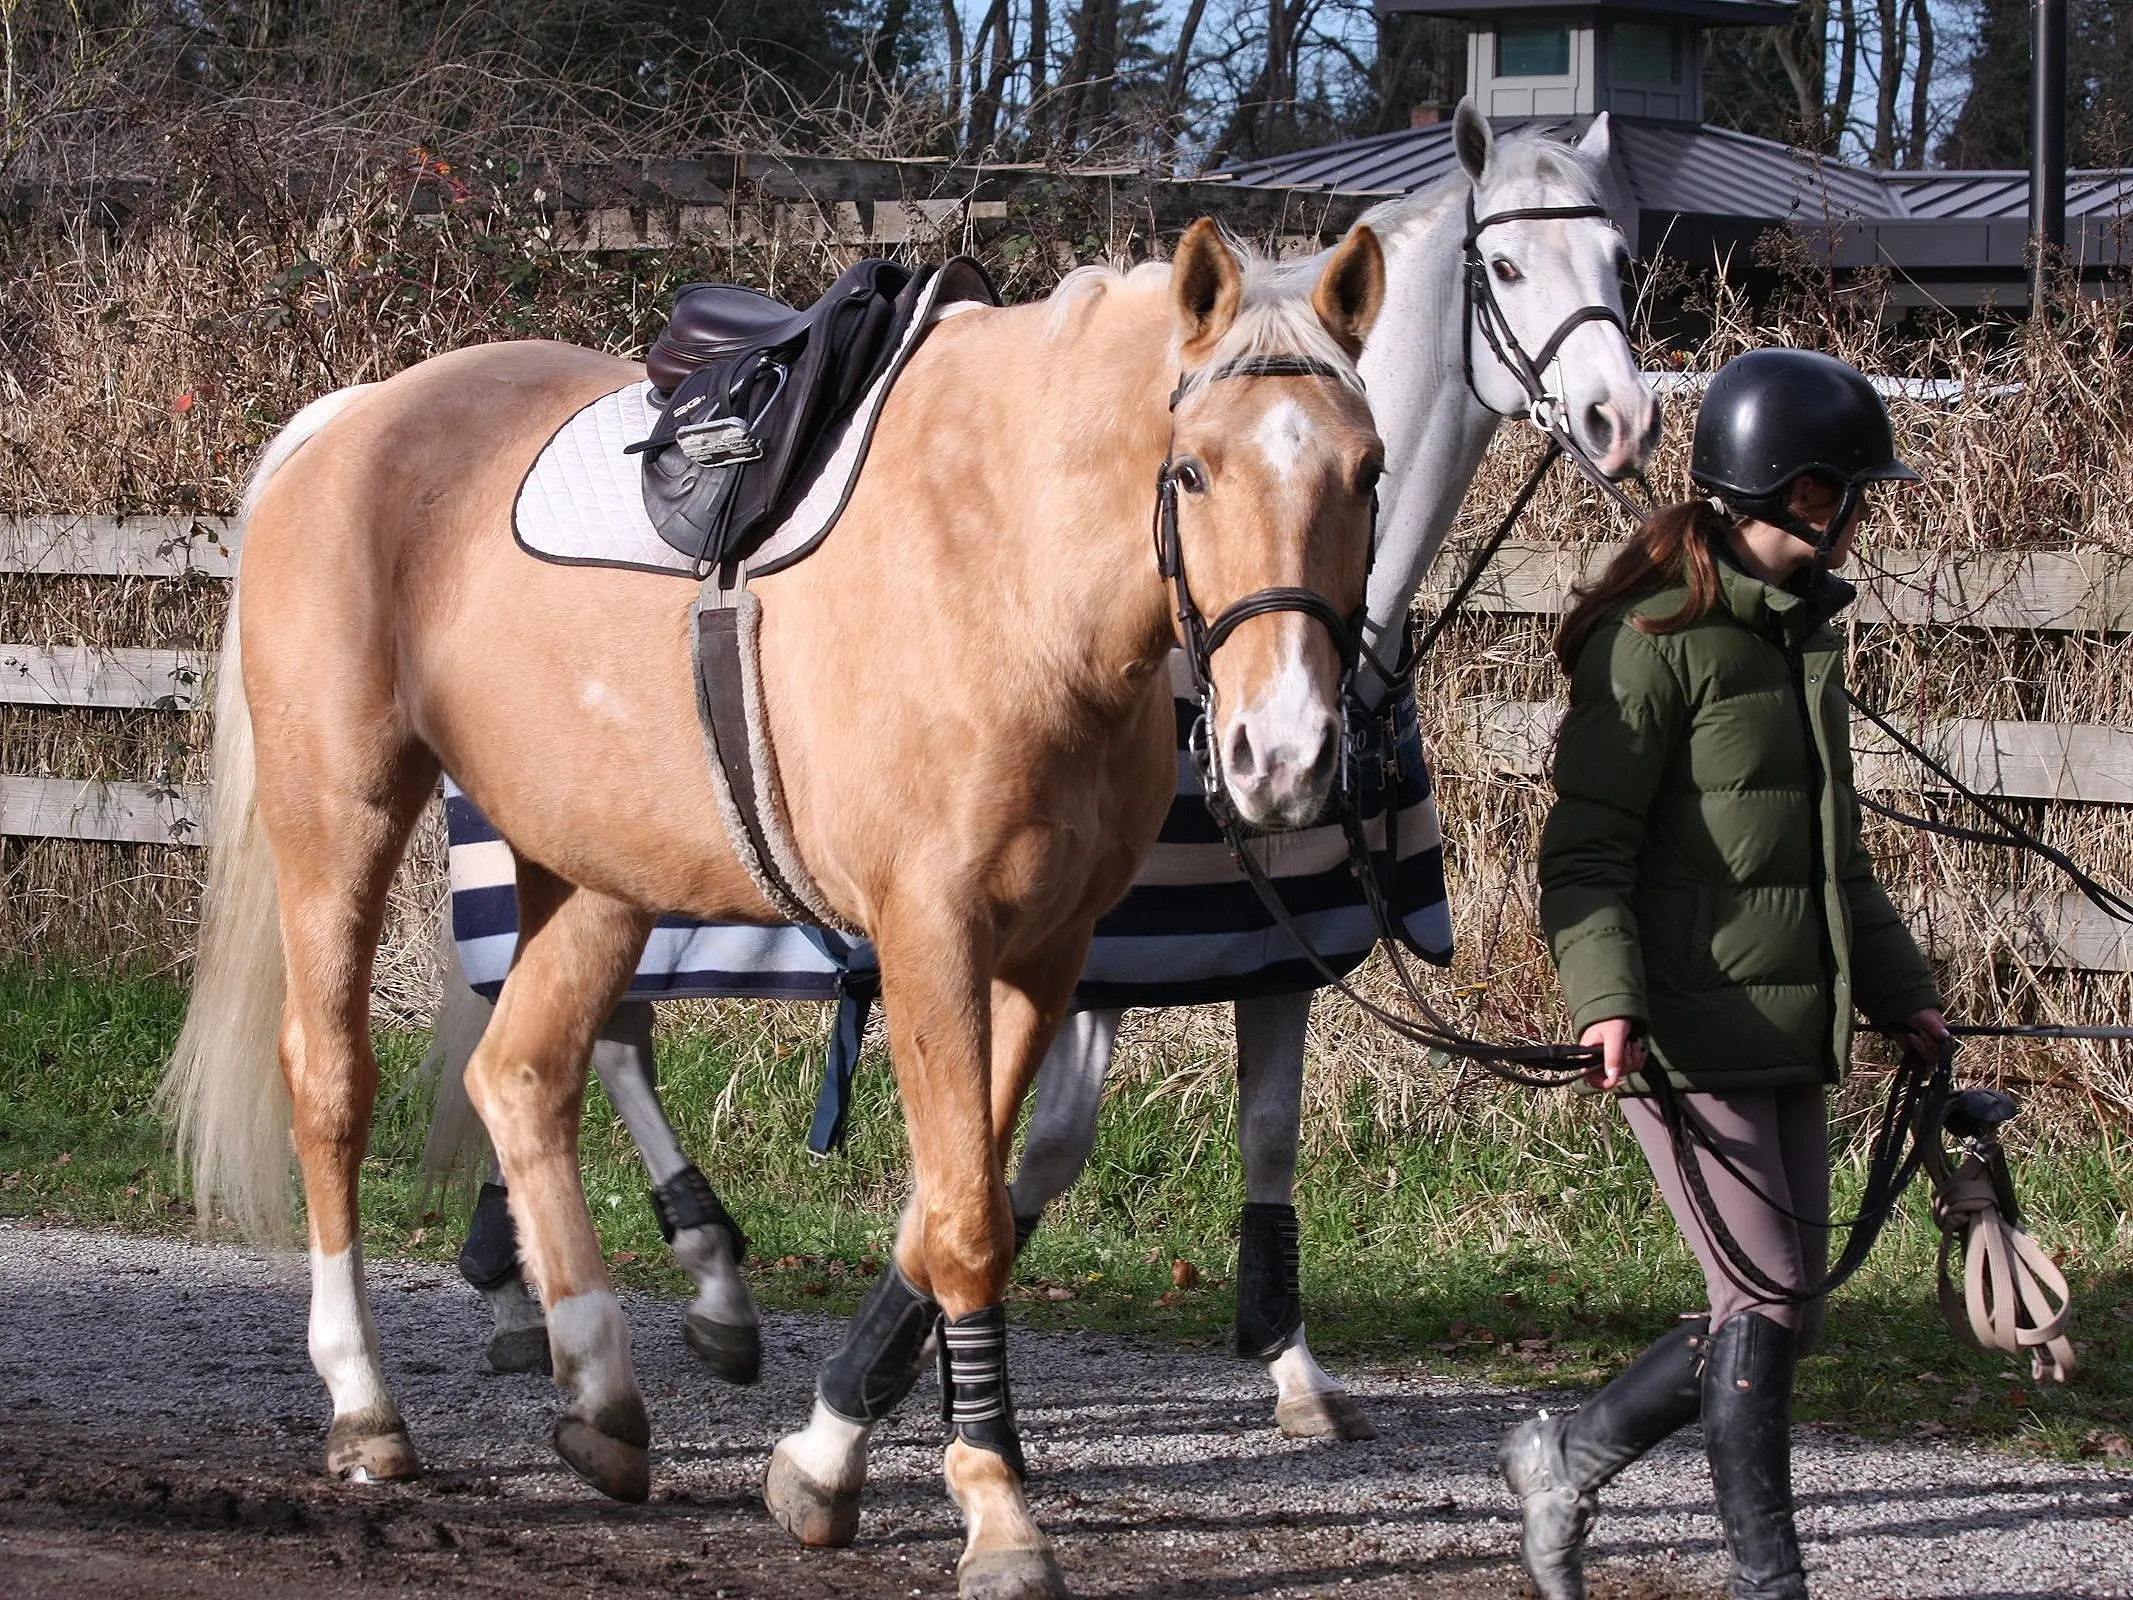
(160, 1434)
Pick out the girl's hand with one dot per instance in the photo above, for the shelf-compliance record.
(1621, 1053)
(1923, 1032)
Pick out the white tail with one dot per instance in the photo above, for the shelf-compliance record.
(224, 1088)
(457, 1143)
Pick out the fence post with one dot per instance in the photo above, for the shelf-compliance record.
(2047, 146)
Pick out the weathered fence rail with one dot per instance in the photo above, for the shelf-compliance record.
(654, 204)
(2074, 591)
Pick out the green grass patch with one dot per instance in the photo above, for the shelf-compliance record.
(1531, 1252)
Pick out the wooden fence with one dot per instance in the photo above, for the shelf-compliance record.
(2088, 764)
(657, 203)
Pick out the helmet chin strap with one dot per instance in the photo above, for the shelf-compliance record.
(1777, 511)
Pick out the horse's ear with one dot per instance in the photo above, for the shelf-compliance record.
(1351, 291)
(1598, 141)
(1207, 286)
(1472, 138)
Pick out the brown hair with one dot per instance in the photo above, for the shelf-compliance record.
(1673, 546)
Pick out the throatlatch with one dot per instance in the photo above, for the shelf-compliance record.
(878, 1362)
(974, 1396)
(490, 1255)
(687, 1201)
(1269, 1290)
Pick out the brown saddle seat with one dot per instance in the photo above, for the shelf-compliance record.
(712, 321)
(754, 392)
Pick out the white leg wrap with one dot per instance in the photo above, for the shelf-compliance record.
(344, 1341)
(831, 1451)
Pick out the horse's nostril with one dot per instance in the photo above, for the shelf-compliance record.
(1329, 752)
(1600, 428)
(1239, 757)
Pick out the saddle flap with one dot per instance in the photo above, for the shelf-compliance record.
(744, 432)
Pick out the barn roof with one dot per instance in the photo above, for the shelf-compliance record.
(1686, 190)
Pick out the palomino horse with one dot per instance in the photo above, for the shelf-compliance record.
(1439, 391)
(974, 741)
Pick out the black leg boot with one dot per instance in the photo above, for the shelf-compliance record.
(1556, 1464)
(1747, 1430)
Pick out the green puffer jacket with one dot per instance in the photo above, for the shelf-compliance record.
(1702, 870)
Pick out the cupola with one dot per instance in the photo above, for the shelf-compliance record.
(1635, 58)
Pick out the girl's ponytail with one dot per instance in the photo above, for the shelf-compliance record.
(1673, 547)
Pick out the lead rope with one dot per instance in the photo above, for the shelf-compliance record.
(2006, 1288)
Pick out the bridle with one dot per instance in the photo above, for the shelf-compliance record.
(1200, 638)
(1482, 310)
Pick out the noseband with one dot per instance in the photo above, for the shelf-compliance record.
(1201, 638)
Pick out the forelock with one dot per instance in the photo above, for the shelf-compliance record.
(1531, 160)
(1276, 318)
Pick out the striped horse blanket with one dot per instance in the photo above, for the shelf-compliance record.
(1191, 930)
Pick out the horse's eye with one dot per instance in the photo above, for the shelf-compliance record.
(1190, 477)
(1366, 478)
(1506, 272)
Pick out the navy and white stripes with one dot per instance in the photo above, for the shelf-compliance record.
(1190, 931)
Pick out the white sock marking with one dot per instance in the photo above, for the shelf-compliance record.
(589, 1341)
(830, 1450)
(1295, 1374)
(344, 1341)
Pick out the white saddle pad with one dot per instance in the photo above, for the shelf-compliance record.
(583, 500)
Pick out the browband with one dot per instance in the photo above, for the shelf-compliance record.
(1263, 367)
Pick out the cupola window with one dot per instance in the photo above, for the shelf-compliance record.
(1644, 53)
(1533, 50)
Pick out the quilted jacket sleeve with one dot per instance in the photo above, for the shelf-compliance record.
(1890, 979)
(1627, 710)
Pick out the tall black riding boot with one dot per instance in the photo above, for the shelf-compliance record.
(1556, 1464)
(1747, 1430)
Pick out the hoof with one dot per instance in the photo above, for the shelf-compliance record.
(1328, 1414)
(1009, 1575)
(803, 1508)
(618, 1470)
(519, 1350)
(355, 1452)
(732, 1350)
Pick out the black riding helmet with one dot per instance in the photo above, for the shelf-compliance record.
(1771, 415)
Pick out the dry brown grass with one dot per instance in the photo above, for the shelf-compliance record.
(142, 372)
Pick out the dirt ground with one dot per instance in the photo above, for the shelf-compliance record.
(161, 1433)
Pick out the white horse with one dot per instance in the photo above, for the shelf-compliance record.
(1440, 387)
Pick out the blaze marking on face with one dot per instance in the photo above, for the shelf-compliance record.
(1289, 713)
(1284, 434)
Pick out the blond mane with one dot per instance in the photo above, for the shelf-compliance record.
(1276, 317)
